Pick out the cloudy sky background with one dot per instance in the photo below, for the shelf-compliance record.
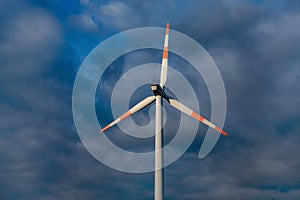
(256, 46)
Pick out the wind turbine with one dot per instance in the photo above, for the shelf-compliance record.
(159, 93)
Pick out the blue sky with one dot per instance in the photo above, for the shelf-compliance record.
(256, 46)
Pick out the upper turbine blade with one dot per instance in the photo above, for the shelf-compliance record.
(176, 104)
(164, 64)
(133, 110)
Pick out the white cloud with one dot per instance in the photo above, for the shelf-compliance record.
(29, 41)
(279, 37)
(84, 22)
(30, 44)
(120, 15)
(30, 101)
(117, 14)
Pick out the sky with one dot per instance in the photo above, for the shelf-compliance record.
(255, 44)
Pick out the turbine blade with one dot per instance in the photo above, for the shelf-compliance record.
(142, 104)
(176, 104)
(164, 64)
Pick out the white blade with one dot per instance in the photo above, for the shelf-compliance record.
(133, 110)
(164, 64)
(176, 104)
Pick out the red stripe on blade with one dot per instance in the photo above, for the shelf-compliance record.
(105, 128)
(167, 28)
(196, 116)
(165, 55)
(125, 115)
(220, 131)
(224, 133)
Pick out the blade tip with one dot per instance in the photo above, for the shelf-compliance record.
(104, 129)
(224, 133)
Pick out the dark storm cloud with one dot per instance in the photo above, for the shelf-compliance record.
(30, 38)
(255, 45)
(261, 156)
(41, 155)
(37, 136)
(256, 48)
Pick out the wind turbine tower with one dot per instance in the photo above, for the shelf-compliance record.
(158, 95)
